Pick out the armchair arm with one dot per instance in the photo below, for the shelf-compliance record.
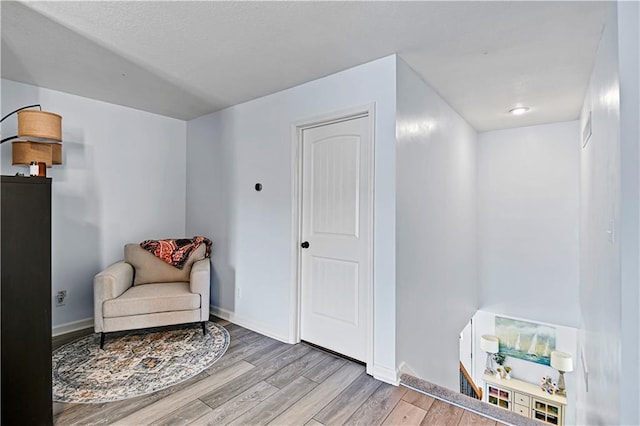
(200, 283)
(109, 284)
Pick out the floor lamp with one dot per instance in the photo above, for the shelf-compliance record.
(40, 137)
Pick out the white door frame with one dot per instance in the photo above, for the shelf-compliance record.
(296, 216)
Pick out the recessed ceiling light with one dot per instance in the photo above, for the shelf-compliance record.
(519, 110)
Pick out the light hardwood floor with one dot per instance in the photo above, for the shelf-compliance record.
(261, 381)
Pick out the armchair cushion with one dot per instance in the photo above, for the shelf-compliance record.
(152, 298)
(150, 269)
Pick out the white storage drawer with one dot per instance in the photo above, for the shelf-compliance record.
(521, 409)
(521, 399)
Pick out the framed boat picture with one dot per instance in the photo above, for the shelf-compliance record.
(526, 340)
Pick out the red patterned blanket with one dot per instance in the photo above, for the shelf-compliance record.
(176, 251)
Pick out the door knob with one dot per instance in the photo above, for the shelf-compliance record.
(305, 244)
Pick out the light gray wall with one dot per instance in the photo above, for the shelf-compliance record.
(437, 290)
(231, 150)
(122, 180)
(528, 187)
(600, 291)
(629, 72)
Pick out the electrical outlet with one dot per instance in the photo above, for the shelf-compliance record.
(60, 297)
(238, 293)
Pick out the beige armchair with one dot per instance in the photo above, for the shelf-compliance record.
(143, 291)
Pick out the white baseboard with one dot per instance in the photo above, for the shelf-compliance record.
(386, 375)
(71, 326)
(405, 369)
(247, 323)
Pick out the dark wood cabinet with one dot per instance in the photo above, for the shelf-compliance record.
(25, 295)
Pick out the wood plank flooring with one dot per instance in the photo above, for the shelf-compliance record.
(261, 381)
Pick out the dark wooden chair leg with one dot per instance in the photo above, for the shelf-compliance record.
(204, 328)
(102, 340)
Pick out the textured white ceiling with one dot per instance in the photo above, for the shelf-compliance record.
(186, 59)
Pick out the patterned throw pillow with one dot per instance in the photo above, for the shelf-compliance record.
(149, 269)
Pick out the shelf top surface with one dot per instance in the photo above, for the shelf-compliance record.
(26, 179)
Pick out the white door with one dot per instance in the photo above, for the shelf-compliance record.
(336, 236)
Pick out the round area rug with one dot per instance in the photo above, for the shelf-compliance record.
(134, 363)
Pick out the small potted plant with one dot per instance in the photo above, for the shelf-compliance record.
(499, 358)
